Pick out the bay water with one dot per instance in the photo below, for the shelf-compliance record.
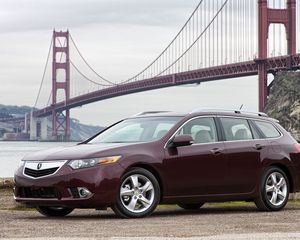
(12, 152)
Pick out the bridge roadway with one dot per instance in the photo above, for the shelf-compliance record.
(242, 69)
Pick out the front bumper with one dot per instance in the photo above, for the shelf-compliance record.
(58, 189)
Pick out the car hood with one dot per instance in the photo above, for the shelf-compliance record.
(74, 152)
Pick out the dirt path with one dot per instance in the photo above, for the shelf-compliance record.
(212, 222)
(217, 222)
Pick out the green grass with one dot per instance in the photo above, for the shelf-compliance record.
(295, 201)
(216, 204)
(6, 190)
(229, 204)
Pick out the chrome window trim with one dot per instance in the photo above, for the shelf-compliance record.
(226, 116)
(186, 122)
(253, 119)
(50, 161)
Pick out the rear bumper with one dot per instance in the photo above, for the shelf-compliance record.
(56, 190)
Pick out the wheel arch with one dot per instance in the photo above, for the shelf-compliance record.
(153, 171)
(287, 172)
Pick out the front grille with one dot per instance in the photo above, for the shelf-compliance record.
(40, 173)
(38, 192)
(74, 192)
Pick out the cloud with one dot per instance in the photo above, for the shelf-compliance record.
(24, 15)
(118, 38)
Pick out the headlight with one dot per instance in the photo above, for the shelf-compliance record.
(91, 162)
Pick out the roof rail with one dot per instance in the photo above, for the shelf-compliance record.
(260, 114)
(149, 112)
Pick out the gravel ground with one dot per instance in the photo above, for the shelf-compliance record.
(212, 222)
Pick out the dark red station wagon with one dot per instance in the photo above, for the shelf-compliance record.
(163, 157)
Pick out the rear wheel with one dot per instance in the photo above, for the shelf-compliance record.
(274, 190)
(138, 195)
(54, 211)
(190, 206)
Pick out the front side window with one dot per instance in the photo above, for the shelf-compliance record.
(267, 129)
(203, 130)
(144, 129)
(236, 129)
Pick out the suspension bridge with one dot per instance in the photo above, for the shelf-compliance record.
(221, 39)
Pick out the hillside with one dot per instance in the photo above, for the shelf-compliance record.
(284, 101)
(79, 131)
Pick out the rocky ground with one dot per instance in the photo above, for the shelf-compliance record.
(212, 221)
(168, 222)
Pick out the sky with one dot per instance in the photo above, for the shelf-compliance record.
(118, 38)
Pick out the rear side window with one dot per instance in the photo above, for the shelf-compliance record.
(236, 129)
(267, 129)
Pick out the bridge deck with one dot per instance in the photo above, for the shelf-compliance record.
(242, 69)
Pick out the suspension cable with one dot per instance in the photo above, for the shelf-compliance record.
(48, 102)
(44, 74)
(104, 79)
(210, 23)
(87, 78)
(174, 39)
(82, 74)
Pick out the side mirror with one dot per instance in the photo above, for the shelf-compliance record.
(182, 140)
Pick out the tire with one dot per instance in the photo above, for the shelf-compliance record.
(138, 194)
(54, 211)
(190, 206)
(273, 190)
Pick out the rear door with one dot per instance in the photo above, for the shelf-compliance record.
(245, 149)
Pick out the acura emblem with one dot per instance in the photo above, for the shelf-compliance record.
(39, 166)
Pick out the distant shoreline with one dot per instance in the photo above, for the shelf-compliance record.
(1, 140)
(8, 184)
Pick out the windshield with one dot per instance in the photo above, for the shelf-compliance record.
(137, 130)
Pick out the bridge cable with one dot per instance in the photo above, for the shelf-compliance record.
(104, 79)
(82, 74)
(210, 23)
(87, 78)
(44, 73)
(174, 39)
(48, 102)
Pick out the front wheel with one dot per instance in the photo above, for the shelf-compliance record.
(274, 190)
(138, 195)
(54, 211)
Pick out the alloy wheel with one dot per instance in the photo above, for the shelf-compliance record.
(137, 193)
(276, 188)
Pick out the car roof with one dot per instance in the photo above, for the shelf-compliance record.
(159, 114)
(201, 112)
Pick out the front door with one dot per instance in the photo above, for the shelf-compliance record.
(198, 169)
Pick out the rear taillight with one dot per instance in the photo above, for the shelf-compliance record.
(297, 146)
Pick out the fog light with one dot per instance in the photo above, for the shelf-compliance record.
(84, 192)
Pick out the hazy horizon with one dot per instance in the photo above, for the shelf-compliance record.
(145, 29)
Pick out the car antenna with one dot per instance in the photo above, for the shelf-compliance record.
(241, 106)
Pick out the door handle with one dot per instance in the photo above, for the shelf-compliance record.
(216, 151)
(258, 147)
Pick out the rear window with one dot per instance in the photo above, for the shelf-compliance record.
(268, 129)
